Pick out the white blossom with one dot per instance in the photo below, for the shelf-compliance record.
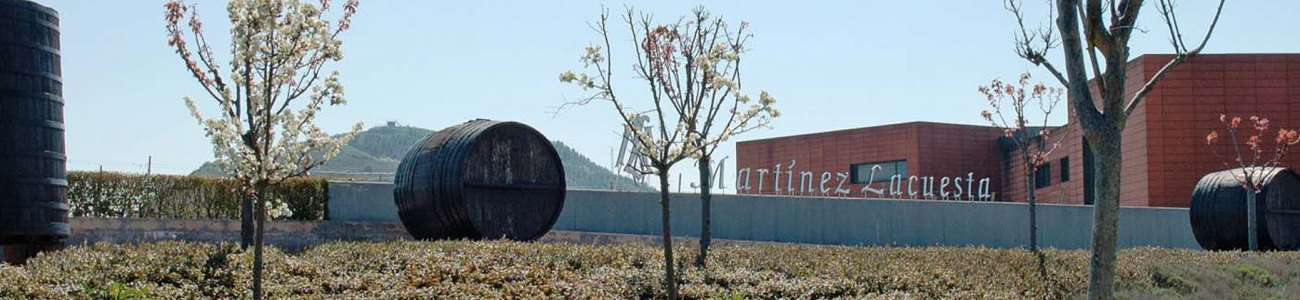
(264, 129)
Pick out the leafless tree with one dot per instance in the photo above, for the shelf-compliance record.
(691, 70)
(1035, 151)
(1093, 33)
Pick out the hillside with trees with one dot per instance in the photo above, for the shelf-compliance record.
(375, 153)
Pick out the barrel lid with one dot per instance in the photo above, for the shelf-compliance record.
(516, 177)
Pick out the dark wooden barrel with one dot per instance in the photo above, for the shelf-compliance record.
(33, 184)
(1218, 211)
(480, 180)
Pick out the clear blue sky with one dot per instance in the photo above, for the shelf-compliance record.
(431, 64)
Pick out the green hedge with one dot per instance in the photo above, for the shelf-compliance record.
(512, 270)
(121, 195)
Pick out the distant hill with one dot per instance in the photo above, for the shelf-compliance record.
(375, 153)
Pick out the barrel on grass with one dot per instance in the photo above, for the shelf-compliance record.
(33, 184)
(480, 180)
(1218, 211)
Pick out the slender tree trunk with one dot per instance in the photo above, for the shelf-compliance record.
(258, 240)
(706, 202)
(669, 279)
(246, 227)
(1030, 183)
(1252, 234)
(1031, 196)
(1107, 161)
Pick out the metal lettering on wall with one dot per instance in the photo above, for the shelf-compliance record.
(783, 182)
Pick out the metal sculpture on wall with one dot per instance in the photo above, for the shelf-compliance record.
(636, 163)
(719, 180)
(482, 179)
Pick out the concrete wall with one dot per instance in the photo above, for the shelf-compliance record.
(833, 221)
(285, 234)
(362, 201)
(291, 235)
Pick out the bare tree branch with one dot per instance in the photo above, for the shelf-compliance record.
(1179, 58)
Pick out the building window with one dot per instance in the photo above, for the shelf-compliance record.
(1065, 169)
(1043, 177)
(861, 173)
(1087, 172)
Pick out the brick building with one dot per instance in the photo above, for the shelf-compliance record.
(1165, 153)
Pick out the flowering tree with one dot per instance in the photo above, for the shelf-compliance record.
(691, 68)
(1034, 151)
(1253, 166)
(1092, 34)
(701, 69)
(264, 130)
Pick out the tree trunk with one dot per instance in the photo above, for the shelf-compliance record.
(1107, 161)
(1030, 184)
(246, 226)
(1031, 196)
(1252, 234)
(706, 202)
(258, 240)
(669, 279)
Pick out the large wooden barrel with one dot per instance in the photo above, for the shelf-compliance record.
(33, 184)
(1218, 211)
(480, 180)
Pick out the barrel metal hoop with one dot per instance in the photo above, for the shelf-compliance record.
(45, 48)
(47, 205)
(42, 123)
(515, 186)
(39, 181)
(46, 75)
(47, 24)
(44, 154)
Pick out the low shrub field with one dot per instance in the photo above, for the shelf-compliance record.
(512, 270)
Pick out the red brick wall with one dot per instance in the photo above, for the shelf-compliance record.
(1164, 150)
(947, 150)
(1069, 192)
(1186, 105)
(930, 149)
(1134, 189)
(1164, 141)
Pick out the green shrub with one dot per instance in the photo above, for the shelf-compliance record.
(121, 195)
(115, 291)
(512, 270)
(1252, 274)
